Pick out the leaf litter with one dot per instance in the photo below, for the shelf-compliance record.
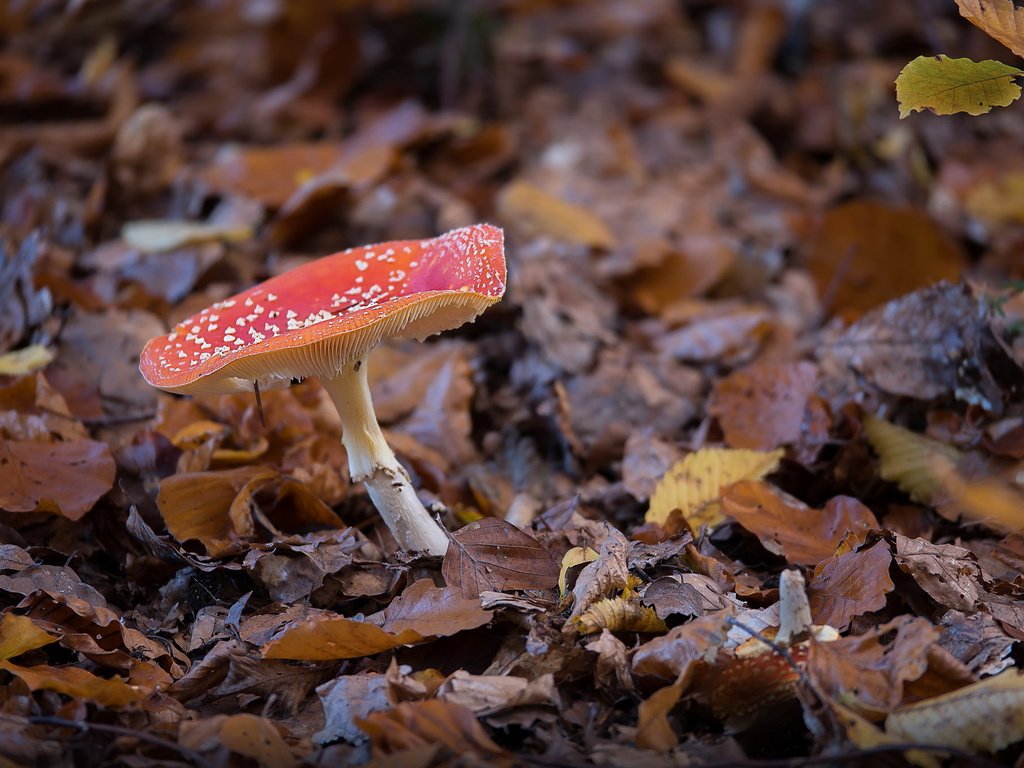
(761, 349)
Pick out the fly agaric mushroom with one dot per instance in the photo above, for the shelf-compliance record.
(322, 319)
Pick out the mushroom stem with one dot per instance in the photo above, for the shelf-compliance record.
(372, 462)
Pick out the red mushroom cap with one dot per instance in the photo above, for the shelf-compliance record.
(312, 320)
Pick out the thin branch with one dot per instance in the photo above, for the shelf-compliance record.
(117, 730)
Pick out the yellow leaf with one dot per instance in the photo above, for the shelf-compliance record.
(77, 683)
(947, 86)
(22, 362)
(532, 207)
(866, 735)
(618, 615)
(336, 638)
(1001, 19)
(695, 484)
(19, 634)
(990, 501)
(987, 715)
(157, 236)
(910, 460)
(575, 556)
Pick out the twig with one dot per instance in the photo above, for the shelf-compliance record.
(117, 730)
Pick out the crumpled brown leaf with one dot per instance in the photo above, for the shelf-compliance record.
(493, 555)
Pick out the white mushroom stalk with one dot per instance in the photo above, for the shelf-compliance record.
(372, 462)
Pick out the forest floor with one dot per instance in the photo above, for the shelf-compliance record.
(733, 472)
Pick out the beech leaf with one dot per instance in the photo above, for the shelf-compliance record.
(494, 555)
(947, 86)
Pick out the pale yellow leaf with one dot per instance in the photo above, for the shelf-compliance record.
(910, 460)
(1001, 19)
(619, 615)
(154, 236)
(695, 484)
(22, 362)
(986, 716)
(527, 205)
(575, 556)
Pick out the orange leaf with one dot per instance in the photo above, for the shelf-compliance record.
(78, 684)
(63, 478)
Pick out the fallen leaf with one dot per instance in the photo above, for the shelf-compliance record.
(268, 174)
(948, 573)
(572, 558)
(527, 207)
(434, 611)
(908, 459)
(347, 698)
(19, 634)
(985, 716)
(326, 636)
(157, 236)
(788, 527)
(864, 253)
(248, 735)
(653, 730)
(78, 684)
(947, 86)
(868, 671)
(607, 574)
(1001, 19)
(416, 724)
(850, 585)
(494, 555)
(619, 615)
(731, 338)
(695, 485)
(685, 594)
(24, 361)
(763, 406)
(489, 694)
(65, 478)
(674, 654)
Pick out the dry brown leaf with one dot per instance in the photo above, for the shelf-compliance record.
(527, 207)
(864, 253)
(653, 730)
(269, 174)
(433, 611)
(254, 737)
(65, 478)
(689, 270)
(695, 485)
(788, 527)
(19, 634)
(78, 684)
(868, 671)
(985, 716)
(346, 698)
(572, 558)
(422, 723)
(948, 573)
(763, 406)
(685, 594)
(489, 694)
(493, 555)
(850, 585)
(607, 574)
(1001, 19)
(673, 654)
(730, 338)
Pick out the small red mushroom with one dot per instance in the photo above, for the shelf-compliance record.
(322, 319)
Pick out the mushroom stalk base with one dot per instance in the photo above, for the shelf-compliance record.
(372, 462)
